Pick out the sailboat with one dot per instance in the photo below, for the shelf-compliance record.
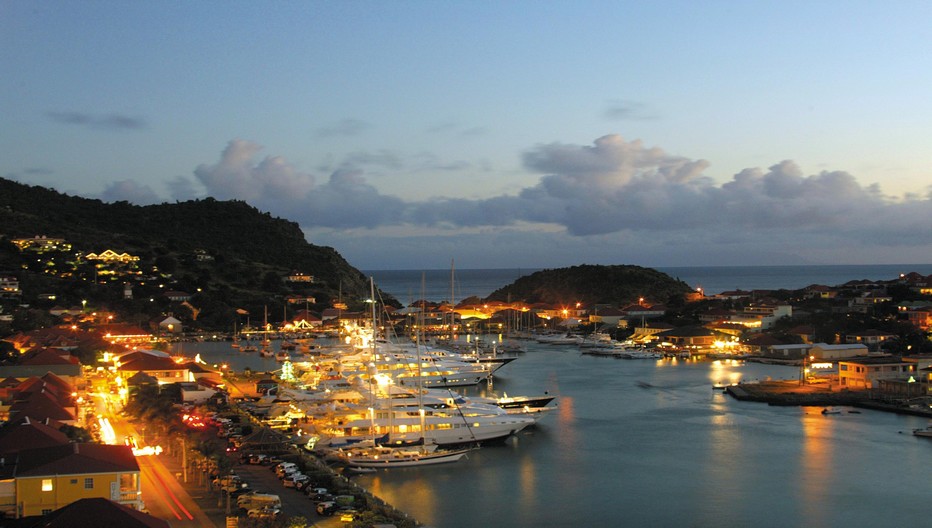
(235, 337)
(266, 350)
(247, 346)
(386, 456)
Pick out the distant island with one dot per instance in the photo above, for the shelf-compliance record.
(594, 284)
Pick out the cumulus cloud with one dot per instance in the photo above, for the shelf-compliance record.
(612, 196)
(610, 186)
(108, 122)
(345, 200)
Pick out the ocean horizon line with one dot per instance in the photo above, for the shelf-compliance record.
(717, 266)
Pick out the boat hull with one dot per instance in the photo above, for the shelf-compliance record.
(407, 460)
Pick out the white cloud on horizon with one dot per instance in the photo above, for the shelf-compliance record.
(613, 192)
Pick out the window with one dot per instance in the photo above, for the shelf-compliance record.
(46, 512)
(88, 483)
(46, 484)
(73, 481)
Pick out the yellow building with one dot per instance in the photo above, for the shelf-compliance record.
(111, 256)
(48, 478)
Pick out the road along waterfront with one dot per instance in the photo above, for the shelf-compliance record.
(650, 443)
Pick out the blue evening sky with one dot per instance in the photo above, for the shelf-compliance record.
(501, 134)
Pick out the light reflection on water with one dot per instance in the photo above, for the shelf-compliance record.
(674, 454)
(818, 452)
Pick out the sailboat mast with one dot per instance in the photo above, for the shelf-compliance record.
(452, 303)
(417, 347)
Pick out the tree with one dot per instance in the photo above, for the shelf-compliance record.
(76, 434)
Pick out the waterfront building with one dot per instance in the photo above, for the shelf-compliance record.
(866, 373)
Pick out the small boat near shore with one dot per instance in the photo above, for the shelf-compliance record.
(925, 432)
(392, 457)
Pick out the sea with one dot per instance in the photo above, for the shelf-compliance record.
(649, 443)
(444, 285)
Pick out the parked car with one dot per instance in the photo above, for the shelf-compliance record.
(326, 508)
(322, 497)
(263, 513)
(292, 480)
(287, 472)
(235, 494)
(256, 500)
(226, 481)
(316, 490)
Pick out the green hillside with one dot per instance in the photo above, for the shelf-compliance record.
(236, 255)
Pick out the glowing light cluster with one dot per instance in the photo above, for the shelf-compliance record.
(147, 451)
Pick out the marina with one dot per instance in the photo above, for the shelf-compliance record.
(628, 433)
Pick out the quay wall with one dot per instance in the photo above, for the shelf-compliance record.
(791, 393)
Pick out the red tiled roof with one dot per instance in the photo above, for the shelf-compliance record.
(73, 459)
(49, 383)
(49, 356)
(28, 434)
(305, 315)
(40, 405)
(96, 512)
(150, 363)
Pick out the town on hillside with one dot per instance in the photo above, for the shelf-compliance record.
(88, 381)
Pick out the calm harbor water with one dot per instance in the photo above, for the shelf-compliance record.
(675, 454)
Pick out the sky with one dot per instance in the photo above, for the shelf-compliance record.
(520, 134)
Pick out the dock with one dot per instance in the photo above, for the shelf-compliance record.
(792, 393)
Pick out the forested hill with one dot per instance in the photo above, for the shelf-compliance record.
(235, 234)
(590, 284)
